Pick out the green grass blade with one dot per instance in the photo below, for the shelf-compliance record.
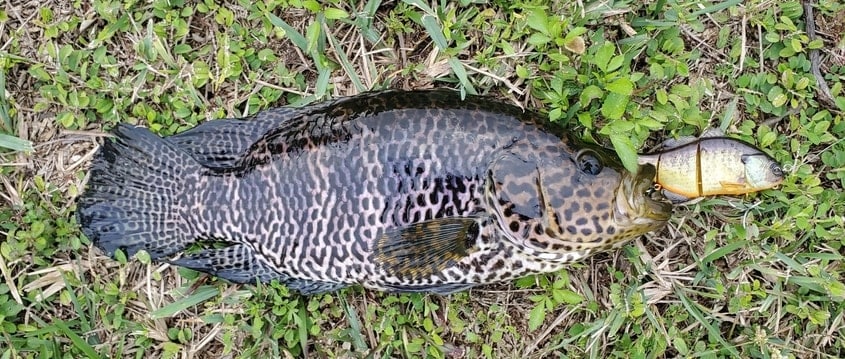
(85, 324)
(76, 339)
(8, 126)
(723, 251)
(15, 144)
(728, 117)
(793, 264)
(356, 328)
(364, 21)
(420, 4)
(435, 31)
(302, 325)
(290, 32)
(718, 6)
(200, 295)
(344, 61)
(460, 72)
(699, 316)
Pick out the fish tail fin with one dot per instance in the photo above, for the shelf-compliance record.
(139, 195)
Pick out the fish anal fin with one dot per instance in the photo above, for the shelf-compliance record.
(236, 263)
(423, 249)
(313, 287)
(438, 289)
(239, 263)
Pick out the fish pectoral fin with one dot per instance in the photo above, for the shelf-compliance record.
(734, 187)
(422, 249)
(674, 197)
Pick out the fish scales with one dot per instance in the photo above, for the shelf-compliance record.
(398, 191)
(390, 159)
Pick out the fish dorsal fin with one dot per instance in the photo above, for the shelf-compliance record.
(712, 132)
(222, 143)
(426, 248)
(684, 140)
(671, 143)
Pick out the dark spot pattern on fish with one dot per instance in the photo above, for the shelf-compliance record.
(400, 191)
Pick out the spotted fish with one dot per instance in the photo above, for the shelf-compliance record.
(415, 191)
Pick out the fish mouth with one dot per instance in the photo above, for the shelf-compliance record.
(637, 202)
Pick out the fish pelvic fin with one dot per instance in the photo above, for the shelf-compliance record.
(138, 195)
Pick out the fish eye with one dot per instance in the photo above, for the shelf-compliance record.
(588, 162)
(776, 170)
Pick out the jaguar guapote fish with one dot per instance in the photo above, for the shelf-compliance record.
(415, 191)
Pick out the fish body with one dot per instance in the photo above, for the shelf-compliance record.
(398, 191)
(713, 166)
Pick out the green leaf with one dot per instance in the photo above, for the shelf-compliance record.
(538, 20)
(622, 86)
(819, 317)
(615, 63)
(567, 296)
(66, 119)
(614, 105)
(537, 39)
(420, 4)
(768, 139)
(680, 345)
(589, 94)
(603, 56)
(626, 150)
(537, 316)
(662, 96)
(796, 45)
(779, 100)
(335, 13)
(143, 257)
(840, 102)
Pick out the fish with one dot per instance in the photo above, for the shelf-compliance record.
(712, 165)
(396, 191)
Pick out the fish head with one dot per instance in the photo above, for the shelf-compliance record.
(761, 170)
(559, 202)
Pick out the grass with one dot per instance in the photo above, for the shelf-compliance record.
(755, 277)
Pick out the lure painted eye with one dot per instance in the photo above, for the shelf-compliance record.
(589, 163)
